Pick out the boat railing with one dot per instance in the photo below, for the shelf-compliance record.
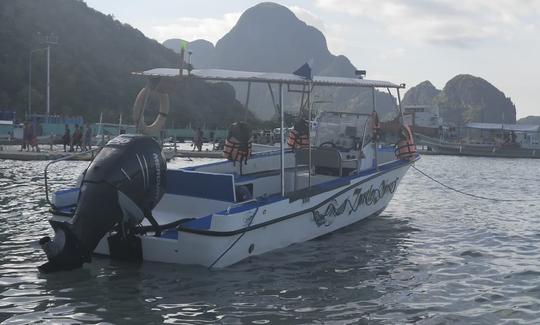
(69, 157)
(237, 204)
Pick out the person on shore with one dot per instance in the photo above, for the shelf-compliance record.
(88, 138)
(24, 137)
(200, 135)
(195, 142)
(66, 138)
(76, 139)
(37, 130)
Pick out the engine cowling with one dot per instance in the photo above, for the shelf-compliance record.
(120, 188)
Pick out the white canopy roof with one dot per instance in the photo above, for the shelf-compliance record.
(506, 127)
(267, 77)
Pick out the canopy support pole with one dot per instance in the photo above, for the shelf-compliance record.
(246, 104)
(310, 87)
(282, 131)
(273, 98)
(376, 158)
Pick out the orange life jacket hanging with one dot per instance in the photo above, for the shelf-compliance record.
(299, 135)
(238, 143)
(405, 148)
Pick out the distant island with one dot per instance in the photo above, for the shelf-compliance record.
(464, 98)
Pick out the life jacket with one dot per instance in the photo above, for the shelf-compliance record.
(299, 135)
(238, 143)
(376, 126)
(405, 148)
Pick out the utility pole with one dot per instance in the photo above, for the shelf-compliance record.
(49, 40)
(30, 79)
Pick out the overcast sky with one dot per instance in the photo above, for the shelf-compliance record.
(402, 41)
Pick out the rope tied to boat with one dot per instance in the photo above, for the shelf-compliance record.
(469, 194)
(239, 237)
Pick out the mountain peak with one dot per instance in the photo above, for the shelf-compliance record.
(421, 94)
(269, 37)
(467, 98)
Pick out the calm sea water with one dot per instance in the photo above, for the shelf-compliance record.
(433, 257)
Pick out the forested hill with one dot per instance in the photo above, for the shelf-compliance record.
(91, 65)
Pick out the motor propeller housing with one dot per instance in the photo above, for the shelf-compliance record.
(120, 188)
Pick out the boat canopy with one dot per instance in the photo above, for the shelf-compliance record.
(506, 127)
(266, 77)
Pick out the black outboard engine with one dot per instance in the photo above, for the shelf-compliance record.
(120, 188)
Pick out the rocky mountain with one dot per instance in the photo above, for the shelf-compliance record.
(203, 52)
(422, 94)
(91, 65)
(534, 120)
(467, 98)
(269, 37)
(464, 98)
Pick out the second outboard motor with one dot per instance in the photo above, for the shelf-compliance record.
(120, 188)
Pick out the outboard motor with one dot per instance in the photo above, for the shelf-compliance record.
(119, 189)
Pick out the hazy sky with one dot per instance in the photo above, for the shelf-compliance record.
(402, 41)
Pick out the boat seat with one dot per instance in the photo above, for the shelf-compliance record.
(323, 159)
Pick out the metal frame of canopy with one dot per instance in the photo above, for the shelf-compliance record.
(280, 79)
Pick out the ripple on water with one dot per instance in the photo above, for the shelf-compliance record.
(433, 257)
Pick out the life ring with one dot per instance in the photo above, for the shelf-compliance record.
(138, 111)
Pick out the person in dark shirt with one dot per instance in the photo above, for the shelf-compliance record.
(66, 138)
(77, 138)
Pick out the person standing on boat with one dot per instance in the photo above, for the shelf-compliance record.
(88, 138)
(66, 138)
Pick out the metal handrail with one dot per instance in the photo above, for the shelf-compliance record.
(58, 160)
(364, 133)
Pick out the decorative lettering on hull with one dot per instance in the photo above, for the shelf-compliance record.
(351, 204)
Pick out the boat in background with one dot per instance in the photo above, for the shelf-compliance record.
(129, 205)
(486, 140)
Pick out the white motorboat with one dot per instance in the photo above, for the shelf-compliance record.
(128, 205)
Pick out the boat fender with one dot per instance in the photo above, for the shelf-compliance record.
(121, 186)
(405, 148)
(299, 135)
(140, 105)
(238, 143)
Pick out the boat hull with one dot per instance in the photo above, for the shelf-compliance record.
(265, 226)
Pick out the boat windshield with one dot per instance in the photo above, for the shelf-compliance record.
(342, 130)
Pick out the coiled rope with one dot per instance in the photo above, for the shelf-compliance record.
(469, 194)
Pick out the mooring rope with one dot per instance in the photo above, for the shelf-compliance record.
(237, 239)
(469, 194)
